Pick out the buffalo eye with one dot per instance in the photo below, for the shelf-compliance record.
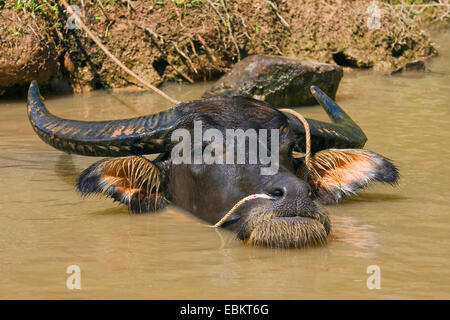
(278, 193)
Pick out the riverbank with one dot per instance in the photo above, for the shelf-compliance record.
(195, 40)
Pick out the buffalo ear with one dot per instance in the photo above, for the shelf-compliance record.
(133, 181)
(336, 173)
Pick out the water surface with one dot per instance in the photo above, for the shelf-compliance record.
(45, 225)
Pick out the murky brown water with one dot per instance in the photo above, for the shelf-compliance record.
(45, 226)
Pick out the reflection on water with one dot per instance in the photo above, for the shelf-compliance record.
(46, 226)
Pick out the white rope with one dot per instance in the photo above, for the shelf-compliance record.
(238, 204)
(307, 134)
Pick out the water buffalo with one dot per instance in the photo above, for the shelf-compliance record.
(289, 215)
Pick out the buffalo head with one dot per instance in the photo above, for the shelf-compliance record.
(287, 212)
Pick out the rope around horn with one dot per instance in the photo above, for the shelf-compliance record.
(307, 135)
(263, 195)
(113, 58)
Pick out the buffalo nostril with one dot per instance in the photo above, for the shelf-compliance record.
(278, 193)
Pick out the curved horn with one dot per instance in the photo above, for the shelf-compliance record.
(135, 136)
(342, 133)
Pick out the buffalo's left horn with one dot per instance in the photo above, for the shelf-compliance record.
(135, 136)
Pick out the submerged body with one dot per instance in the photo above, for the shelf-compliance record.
(290, 215)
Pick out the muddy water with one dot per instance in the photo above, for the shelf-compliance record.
(45, 226)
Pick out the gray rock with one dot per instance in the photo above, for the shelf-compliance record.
(412, 66)
(281, 81)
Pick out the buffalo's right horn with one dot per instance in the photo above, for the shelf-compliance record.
(342, 133)
(135, 136)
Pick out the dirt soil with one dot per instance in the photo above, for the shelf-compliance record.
(194, 40)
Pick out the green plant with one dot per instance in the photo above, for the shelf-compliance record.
(100, 4)
(43, 7)
(187, 3)
(56, 25)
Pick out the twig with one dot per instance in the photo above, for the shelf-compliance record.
(110, 23)
(184, 75)
(218, 12)
(283, 22)
(184, 56)
(422, 5)
(245, 27)
(231, 32)
(178, 14)
(192, 46)
(153, 33)
(271, 46)
(208, 50)
(227, 24)
(130, 5)
(158, 37)
(117, 61)
(33, 30)
(83, 8)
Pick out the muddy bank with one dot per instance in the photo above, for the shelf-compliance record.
(193, 40)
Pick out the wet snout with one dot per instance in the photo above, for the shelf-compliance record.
(289, 218)
(287, 188)
(291, 198)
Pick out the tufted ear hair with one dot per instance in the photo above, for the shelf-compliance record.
(336, 173)
(134, 181)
